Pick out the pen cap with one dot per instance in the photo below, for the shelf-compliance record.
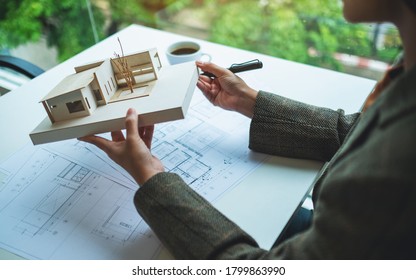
(249, 65)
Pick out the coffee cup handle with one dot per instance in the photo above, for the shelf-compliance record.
(205, 57)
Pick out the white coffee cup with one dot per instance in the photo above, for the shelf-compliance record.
(185, 51)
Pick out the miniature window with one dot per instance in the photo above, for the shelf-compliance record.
(88, 103)
(75, 106)
(97, 94)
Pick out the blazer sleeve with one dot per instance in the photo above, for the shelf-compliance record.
(365, 208)
(285, 127)
(191, 228)
(187, 225)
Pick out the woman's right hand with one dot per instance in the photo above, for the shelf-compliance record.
(132, 151)
(227, 90)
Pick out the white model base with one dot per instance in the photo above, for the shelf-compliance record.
(169, 100)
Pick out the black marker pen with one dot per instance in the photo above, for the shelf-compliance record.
(240, 67)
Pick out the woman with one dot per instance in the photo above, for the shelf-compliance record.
(364, 201)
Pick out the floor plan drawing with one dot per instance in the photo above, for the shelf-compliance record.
(120, 223)
(209, 149)
(68, 200)
(69, 212)
(80, 153)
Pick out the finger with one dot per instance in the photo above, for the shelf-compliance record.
(202, 86)
(205, 79)
(210, 91)
(98, 141)
(213, 68)
(117, 136)
(146, 133)
(132, 123)
(204, 83)
(209, 95)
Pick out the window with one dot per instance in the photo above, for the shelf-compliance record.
(307, 31)
(88, 103)
(97, 94)
(74, 107)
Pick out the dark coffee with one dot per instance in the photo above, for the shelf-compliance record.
(183, 51)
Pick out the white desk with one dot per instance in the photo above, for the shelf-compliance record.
(278, 186)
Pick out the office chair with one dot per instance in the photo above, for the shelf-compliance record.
(20, 65)
(15, 71)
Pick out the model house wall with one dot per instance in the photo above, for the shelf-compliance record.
(107, 86)
(71, 98)
(145, 67)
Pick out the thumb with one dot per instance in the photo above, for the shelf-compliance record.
(132, 123)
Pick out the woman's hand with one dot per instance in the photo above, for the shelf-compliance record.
(133, 151)
(227, 90)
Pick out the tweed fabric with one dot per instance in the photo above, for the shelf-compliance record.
(285, 127)
(364, 202)
(184, 221)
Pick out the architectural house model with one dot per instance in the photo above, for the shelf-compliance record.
(100, 83)
(96, 97)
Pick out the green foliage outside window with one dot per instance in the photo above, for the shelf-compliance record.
(66, 23)
(307, 31)
(301, 30)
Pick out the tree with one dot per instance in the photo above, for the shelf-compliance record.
(125, 12)
(65, 24)
(292, 29)
(284, 28)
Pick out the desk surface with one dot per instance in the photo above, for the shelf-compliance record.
(278, 185)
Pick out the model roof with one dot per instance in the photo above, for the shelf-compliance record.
(71, 83)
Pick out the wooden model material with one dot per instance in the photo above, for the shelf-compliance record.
(96, 97)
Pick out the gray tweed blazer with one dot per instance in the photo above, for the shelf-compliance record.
(364, 202)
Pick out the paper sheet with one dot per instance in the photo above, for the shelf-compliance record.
(208, 149)
(55, 208)
(68, 200)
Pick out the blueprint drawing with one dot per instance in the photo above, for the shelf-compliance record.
(68, 200)
(208, 149)
(54, 208)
